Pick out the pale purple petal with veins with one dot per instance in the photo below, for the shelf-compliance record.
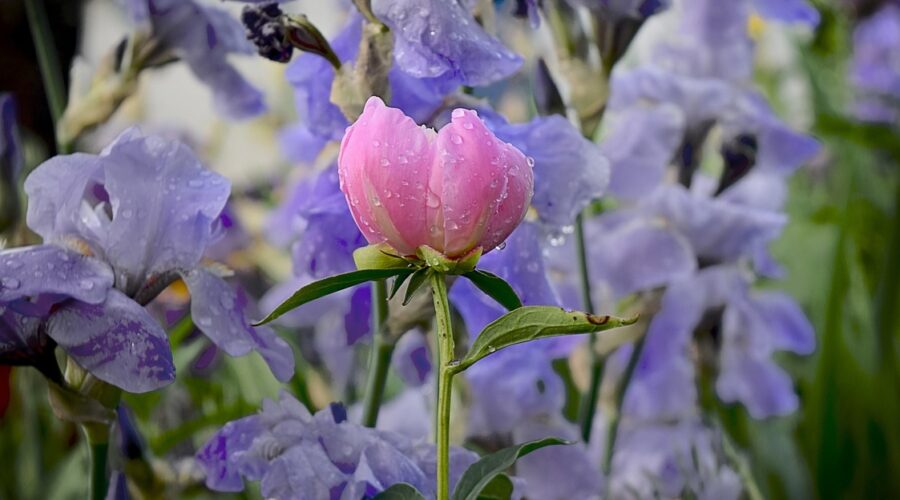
(220, 313)
(117, 341)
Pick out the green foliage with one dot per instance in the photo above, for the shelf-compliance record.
(495, 287)
(535, 322)
(327, 286)
(400, 491)
(483, 472)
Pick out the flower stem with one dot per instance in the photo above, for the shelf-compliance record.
(445, 382)
(588, 404)
(380, 360)
(48, 61)
(616, 417)
(98, 441)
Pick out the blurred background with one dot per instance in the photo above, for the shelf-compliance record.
(841, 251)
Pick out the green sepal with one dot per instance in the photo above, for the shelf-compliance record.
(482, 473)
(380, 256)
(535, 322)
(445, 265)
(416, 280)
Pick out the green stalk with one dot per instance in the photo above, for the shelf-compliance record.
(588, 404)
(98, 441)
(380, 359)
(622, 388)
(886, 297)
(48, 61)
(445, 382)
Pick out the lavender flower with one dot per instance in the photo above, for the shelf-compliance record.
(683, 459)
(118, 228)
(203, 37)
(875, 70)
(564, 162)
(440, 40)
(298, 455)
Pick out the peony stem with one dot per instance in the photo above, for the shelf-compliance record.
(445, 382)
(380, 360)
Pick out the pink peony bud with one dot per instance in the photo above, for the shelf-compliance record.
(454, 190)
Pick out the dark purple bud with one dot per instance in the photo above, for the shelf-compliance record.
(265, 28)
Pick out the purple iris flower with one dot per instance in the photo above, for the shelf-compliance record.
(297, 455)
(564, 162)
(440, 40)
(752, 326)
(321, 121)
(315, 220)
(203, 36)
(671, 460)
(118, 228)
(875, 70)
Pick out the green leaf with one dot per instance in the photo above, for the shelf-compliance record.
(415, 282)
(482, 473)
(398, 282)
(327, 286)
(500, 488)
(400, 491)
(495, 287)
(535, 322)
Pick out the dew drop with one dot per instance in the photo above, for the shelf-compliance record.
(530, 161)
(13, 264)
(492, 349)
(385, 162)
(501, 246)
(195, 183)
(10, 283)
(86, 284)
(468, 125)
(127, 213)
(376, 143)
(432, 201)
(204, 321)
(456, 139)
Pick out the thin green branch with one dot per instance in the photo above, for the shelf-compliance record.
(380, 359)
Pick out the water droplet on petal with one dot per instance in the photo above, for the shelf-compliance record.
(456, 139)
(13, 264)
(195, 183)
(10, 283)
(385, 162)
(86, 284)
(530, 161)
(468, 125)
(376, 143)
